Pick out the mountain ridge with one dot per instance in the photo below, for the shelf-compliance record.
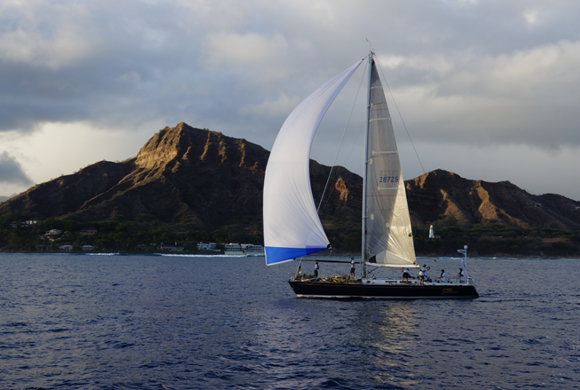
(471, 202)
(205, 181)
(182, 175)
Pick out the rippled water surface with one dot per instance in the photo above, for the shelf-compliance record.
(151, 322)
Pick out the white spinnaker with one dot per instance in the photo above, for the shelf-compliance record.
(292, 227)
(389, 239)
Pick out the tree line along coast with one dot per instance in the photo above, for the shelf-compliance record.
(489, 239)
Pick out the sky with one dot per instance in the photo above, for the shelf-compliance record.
(489, 90)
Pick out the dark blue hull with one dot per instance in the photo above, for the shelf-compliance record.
(358, 289)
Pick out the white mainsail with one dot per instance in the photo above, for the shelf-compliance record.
(389, 239)
(292, 227)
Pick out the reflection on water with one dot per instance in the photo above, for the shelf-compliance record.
(390, 331)
(392, 324)
(309, 339)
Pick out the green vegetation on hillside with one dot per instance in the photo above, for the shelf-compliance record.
(492, 239)
(110, 236)
(486, 239)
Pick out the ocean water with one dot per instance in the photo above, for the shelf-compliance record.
(152, 322)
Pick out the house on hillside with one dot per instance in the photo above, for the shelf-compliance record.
(66, 247)
(89, 231)
(53, 232)
(29, 222)
(87, 248)
(205, 246)
(171, 248)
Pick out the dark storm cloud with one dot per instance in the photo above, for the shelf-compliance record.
(11, 172)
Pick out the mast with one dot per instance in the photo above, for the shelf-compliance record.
(464, 260)
(364, 254)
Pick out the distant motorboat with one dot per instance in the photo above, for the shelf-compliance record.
(235, 249)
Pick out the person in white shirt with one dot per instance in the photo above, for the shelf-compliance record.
(406, 274)
(352, 270)
(443, 277)
(316, 267)
(461, 275)
(423, 273)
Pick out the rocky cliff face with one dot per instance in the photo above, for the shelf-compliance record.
(182, 175)
(67, 194)
(205, 180)
(439, 194)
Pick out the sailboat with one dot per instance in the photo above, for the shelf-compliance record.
(292, 227)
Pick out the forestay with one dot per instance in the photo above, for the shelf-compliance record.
(389, 239)
(292, 227)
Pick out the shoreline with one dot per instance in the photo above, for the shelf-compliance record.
(221, 255)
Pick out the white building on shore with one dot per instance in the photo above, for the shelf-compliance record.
(206, 246)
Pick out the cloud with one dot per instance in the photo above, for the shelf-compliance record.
(45, 34)
(521, 97)
(11, 172)
(244, 49)
(531, 16)
(463, 71)
(272, 108)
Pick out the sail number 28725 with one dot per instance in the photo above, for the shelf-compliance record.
(388, 179)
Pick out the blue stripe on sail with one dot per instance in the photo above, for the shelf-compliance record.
(276, 255)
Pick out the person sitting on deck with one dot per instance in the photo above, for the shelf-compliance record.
(443, 277)
(406, 274)
(316, 267)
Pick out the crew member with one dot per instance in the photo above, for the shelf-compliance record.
(423, 273)
(406, 274)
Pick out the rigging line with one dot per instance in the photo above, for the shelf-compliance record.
(363, 125)
(340, 145)
(361, 131)
(402, 120)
